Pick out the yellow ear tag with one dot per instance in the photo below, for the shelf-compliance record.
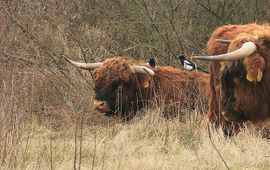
(146, 84)
(259, 76)
(249, 77)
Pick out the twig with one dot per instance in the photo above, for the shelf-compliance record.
(51, 155)
(94, 154)
(171, 22)
(210, 137)
(84, 52)
(155, 26)
(42, 46)
(81, 140)
(232, 6)
(208, 9)
(75, 149)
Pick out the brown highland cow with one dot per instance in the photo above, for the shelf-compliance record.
(239, 76)
(124, 85)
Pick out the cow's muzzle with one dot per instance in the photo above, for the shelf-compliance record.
(101, 106)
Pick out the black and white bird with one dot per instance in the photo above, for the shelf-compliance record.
(152, 63)
(188, 65)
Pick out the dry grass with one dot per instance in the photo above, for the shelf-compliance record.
(46, 118)
(149, 143)
(44, 130)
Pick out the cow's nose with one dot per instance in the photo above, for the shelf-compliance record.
(98, 103)
(101, 106)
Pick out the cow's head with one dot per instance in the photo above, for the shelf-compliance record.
(120, 84)
(252, 51)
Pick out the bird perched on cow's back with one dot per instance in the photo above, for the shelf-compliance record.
(152, 63)
(189, 65)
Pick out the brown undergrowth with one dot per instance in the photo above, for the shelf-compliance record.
(47, 123)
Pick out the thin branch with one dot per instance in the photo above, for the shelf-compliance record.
(232, 7)
(75, 147)
(81, 139)
(94, 154)
(43, 47)
(156, 28)
(223, 8)
(84, 52)
(171, 22)
(210, 138)
(208, 9)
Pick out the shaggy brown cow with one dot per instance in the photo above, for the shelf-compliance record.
(240, 78)
(124, 85)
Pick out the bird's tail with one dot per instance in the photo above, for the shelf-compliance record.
(202, 70)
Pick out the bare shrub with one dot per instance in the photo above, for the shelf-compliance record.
(47, 120)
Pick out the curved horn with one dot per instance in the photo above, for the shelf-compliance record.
(86, 66)
(224, 41)
(142, 69)
(247, 49)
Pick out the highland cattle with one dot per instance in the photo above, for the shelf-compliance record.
(239, 66)
(124, 85)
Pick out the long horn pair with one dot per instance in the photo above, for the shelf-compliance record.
(246, 50)
(92, 66)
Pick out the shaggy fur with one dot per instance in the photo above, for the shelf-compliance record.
(178, 85)
(169, 85)
(113, 70)
(237, 94)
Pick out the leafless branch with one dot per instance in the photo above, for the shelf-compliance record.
(208, 9)
(216, 149)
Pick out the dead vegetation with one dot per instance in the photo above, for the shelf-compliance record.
(47, 121)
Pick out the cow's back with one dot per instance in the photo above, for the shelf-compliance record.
(181, 86)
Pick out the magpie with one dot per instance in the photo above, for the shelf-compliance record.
(188, 65)
(152, 63)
